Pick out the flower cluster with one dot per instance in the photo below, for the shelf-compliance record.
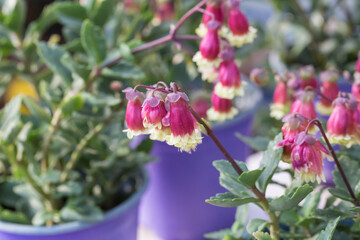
(302, 149)
(216, 56)
(163, 113)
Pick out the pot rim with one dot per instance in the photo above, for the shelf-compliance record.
(76, 226)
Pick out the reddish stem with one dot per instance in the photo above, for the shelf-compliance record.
(332, 151)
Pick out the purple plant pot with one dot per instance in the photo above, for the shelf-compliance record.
(119, 223)
(174, 205)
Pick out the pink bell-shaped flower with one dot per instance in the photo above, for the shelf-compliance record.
(133, 117)
(229, 85)
(293, 125)
(239, 32)
(340, 126)
(281, 99)
(210, 44)
(165, 11)
(304, 105)
(222, 109)
(216, 10)
(185, 133)
(307, 77)
(237, 21)
(259, 77)
(153, 112)
(307, 158)
(329, 89)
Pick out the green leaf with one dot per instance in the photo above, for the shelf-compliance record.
(256, 225)
(329, 230)
(52, 58)
(71, 14)
(224, 167)
(42, 217)
(270, 162)
(72, 104)
(8, 196)
(256, 143)
(352, 170)
(261, 236)
(124, 70)
(36, 110)
(10, 117)
(13, 217)
(248, 179)
(69, 189)
(51, 176)
(218, 234)
(93, 42)
(311, 203)
(14, 12)
(103, 12)
(287, 202)
(231, 200)
(238, 227)
(232, 184)
(81, 210)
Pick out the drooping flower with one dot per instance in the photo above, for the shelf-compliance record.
(229, 85)
(222, 109)
(239, 32)
(213, 8)
(340, 126)
(133, 117)
(304, 104)
(307, 77)
(307, 158)
(209, 47)
(185, 133)
(293, 125)
(164, 11)
(153, 112)
(329, 89)
(281, 99)
(259, 76)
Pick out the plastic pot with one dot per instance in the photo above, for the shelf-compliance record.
(119, 223)
(174, 205)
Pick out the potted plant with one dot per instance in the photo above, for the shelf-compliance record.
(66, 168)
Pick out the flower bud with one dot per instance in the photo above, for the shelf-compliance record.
(200, 106)
(307, 158)
(237, 21)
(164, 11)
(341, 126)
(133, 117)
(281, 101)
(210, 44)
(222, 109)
(304, 105)
(307, 77)
(214, 9)
(230, 81)
(115, 86)
(259, 76)
(329, 89)
(185, 133)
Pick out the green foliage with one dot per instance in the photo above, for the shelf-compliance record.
(328, 232)
(287, 202)
(270, 162)
(63, 154)
(231, 200)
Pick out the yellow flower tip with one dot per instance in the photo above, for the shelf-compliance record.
(160, 134)
(216, 116)
(346, 140)
(203, 62)
(228, 92)
(278, 111)
(208, 74)
(238, 41)
(131, 133)
(201, 30)
(306, 176)
(323, 110)
(186, 143)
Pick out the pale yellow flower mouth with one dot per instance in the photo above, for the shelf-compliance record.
(305, 175)
(160, 134)
(201, 30)
(346, 140)
(239, 40)
(228, 92)
(132, 133)
(278, 111)
(186, 143)
(214, 115)
(323, 110)
(203, 62)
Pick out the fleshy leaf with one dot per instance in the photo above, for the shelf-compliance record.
(287, 202)
(231, 200)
